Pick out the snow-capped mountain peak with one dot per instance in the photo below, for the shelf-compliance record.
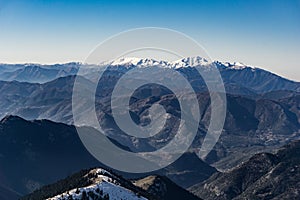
(147, 62)
(102, 185)
(140, 62)
(196, 61)
(125, 61)
(235, 65)
(190, 62)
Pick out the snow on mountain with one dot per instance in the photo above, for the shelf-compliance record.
(235, 65)
(234, 73)
(124, 61)
(140, 62)
(147, 62)
(38, 73)
(104, 189)
(182, 63)
(190, 62)
(104, 186)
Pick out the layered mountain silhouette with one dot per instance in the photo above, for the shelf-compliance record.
(36, 73)
(39, 152)
(42, 146)
(253, 123)
(262, 108)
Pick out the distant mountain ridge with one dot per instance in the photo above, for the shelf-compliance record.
(250, 77)
(36, 73)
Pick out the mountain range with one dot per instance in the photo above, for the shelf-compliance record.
(40, 152)
(40, 144)
(251, 78)
(36, 73)
(262, 108)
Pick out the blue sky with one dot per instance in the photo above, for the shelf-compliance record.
(263, 33)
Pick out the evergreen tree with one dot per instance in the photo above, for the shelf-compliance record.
(84, 196)
(106, 197)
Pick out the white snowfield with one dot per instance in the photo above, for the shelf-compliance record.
(104, 186)
(182, 63)
(236, 65)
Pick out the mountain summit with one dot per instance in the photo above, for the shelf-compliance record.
(193, 61)
(148, 62)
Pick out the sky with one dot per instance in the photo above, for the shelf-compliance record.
(263, 33)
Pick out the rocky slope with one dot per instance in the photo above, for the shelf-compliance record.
(264, 176)
(163, 188)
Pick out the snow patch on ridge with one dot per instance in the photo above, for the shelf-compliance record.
(235, 65)
(190, 62)
(140, 62)
(147, 62)
(104, 186)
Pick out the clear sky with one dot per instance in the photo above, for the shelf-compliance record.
(264, 33)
